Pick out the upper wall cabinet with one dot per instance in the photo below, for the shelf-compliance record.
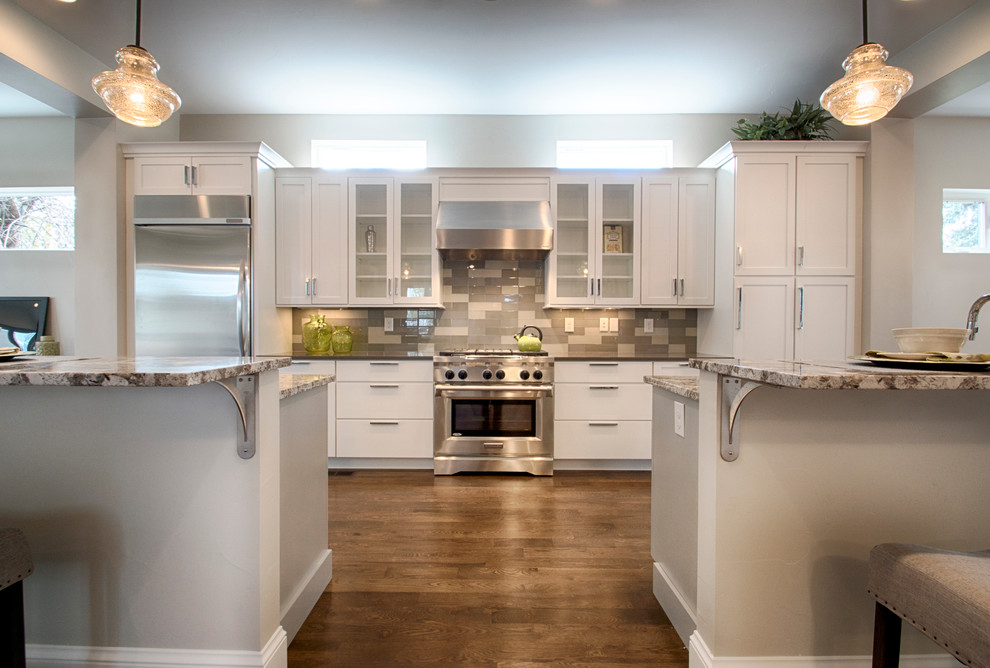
(391, 237)
(192, 175)
(596, 256)
(310, 241)
(679, 240)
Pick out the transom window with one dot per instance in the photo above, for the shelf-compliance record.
(37, 219)
(368, 154)
(615, 154)
(964, 220)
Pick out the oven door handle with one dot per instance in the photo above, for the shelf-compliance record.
(453, 389)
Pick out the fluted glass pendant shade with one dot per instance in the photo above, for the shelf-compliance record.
(869, 89)
(133, 92)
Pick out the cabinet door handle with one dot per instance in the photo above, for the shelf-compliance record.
(682, 287)
(800, 308)
(194, 175)
(314, 286)
(603, 424)
(603, 387)
(599, 287)
(307, 287)
(739, 312)
(800, 250)
(675, 287)
(388, 281)
(738, 256)
(185, 175)
(591, 288)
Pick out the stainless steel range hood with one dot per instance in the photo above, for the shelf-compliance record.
(494, 230)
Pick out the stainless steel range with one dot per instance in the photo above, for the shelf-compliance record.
(493, 412)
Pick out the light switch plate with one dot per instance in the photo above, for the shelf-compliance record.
(648, 325)
(389, 324)
(569, 325)
(679, 418)
(613, 324)
(603, 324)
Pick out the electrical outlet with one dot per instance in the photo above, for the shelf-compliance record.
(613, 324)
(648, 326)
(603, 324)
(679, 418)
(569, 325)
(389, 324)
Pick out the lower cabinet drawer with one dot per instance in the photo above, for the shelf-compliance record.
(604, 439)
(603, 401)
(384, 438)
(407, 401)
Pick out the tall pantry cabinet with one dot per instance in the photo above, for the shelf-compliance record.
(788, 239)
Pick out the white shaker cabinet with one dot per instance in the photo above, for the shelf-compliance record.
(789, 218)
(192, 175)
(678, 247)
(311, 241)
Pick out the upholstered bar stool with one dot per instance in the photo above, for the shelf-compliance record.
(943, 594)
(15, 565)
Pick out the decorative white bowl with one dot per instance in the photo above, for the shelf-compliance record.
(930, 339)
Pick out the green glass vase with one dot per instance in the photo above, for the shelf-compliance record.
(342, 339)
(316, 334)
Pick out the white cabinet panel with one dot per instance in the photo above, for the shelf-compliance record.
(192, 175)
(385, 370)
(589, 372)
(764, 318)
(293, 241)
(408, 401)
(602, 401)
(826, 318)
(764, 214)
(603, 439)
(384, 438)
(826, 221)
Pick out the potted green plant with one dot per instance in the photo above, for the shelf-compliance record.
(804, 122)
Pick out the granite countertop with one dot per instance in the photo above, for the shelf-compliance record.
(828, 375)
(381, 354)
(291, 384)
(684, 386)
(132, 371)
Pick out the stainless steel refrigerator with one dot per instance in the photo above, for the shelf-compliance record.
(192, 275)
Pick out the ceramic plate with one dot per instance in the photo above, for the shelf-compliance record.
(6, 356)
(928, 365)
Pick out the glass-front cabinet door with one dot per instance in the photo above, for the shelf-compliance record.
(572, 262)
(371, 223)
(617, 281)
(416, 271)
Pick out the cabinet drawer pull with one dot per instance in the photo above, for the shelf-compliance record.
(603, 364)
(603, 387)
(384, 423)
(383, 363)
(603, 424)
(379, 387)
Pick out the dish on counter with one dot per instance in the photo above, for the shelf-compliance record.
(7, 354)
(932, 361)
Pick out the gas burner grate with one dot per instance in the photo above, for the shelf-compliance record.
(490, 352)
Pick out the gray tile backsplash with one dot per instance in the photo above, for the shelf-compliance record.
(487, 303)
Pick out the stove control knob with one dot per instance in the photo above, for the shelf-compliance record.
(524, 374)
(448, 374)
(500, 374)
(487, 374)
(537, 375)
(462, 374)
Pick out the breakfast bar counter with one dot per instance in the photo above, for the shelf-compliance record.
(149, 492)
(822, 461)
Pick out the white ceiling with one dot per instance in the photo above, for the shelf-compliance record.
(493, 56)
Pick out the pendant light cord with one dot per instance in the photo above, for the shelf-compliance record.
(865, 38)
(137, 27)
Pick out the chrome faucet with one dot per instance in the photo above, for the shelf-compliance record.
(974, 313)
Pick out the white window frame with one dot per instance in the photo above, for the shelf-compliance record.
(615, 153)
(970, 195)
(340, 154)
(59, 191)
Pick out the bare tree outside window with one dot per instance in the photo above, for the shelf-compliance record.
(37, 220)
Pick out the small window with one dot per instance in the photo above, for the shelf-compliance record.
(964, 221)
(615, 154)
(368, 154)
(37, 219)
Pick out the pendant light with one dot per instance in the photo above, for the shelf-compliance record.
(869, 89)
(132, 91)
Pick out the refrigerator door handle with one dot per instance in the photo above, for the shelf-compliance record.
(242, 310)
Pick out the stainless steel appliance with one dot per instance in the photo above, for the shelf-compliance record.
(192, 276)
(494, 230)
(493, 412)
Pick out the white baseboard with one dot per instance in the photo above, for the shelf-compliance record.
(699, 656)
(602, 464)
(298, 605)
(273, 655)
(679, 610)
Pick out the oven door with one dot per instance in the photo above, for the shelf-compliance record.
(503, 421)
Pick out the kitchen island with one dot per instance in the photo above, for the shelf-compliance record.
(149, 491)
(825, 460)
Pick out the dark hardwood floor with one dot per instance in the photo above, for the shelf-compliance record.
(489, 570)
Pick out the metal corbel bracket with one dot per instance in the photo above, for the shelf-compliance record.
(734, 391)
(244, 391)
